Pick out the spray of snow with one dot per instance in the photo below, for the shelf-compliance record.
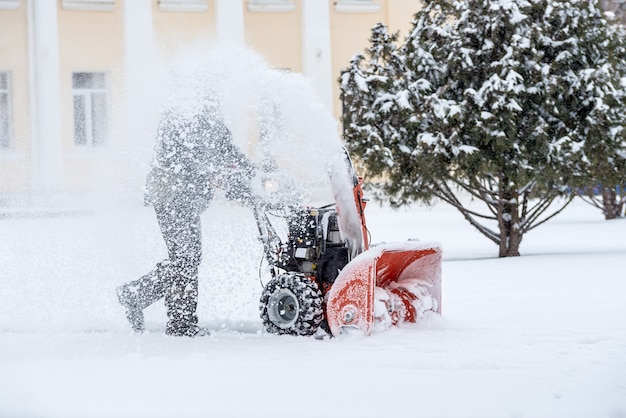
(274, 116)
(278, 121)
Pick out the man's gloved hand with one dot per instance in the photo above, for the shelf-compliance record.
(237, 187)
(277, 190)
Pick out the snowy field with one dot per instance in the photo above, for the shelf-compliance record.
(542, 335)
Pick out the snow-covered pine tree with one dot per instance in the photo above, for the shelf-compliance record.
(491, 99)
(605, 126)
(381, 99)
(366, 93)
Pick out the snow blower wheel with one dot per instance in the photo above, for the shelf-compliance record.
(291, 304)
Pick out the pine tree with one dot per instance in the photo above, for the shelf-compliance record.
(512, 102)
(367, 94)
(607, 179)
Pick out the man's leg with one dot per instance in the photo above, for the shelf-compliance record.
(143, 292)
(182, 233)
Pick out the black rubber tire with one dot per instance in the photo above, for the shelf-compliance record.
(301, 311)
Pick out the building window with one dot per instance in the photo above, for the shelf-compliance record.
(5, 111)
(271, 6)
(89, 5)
(357, 6)
(183, 5)
(90, 108)
(9, 4)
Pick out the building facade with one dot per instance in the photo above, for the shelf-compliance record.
(65, 66)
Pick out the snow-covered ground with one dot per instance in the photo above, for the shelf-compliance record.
(542, 335)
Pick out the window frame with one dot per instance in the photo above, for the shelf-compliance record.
(256, 6)
(89, 5)
(183, 5)
(357, 6)
(92, 139)
(9, 110)
(9, 4)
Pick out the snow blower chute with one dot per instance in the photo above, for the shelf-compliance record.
(324, 275)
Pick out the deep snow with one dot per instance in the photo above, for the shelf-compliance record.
(541, 335)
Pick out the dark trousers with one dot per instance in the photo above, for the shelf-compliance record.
(175, 279)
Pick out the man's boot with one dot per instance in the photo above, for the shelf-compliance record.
(186, 330)
(134, 314)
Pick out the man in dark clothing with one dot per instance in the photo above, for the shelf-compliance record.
(194, 154)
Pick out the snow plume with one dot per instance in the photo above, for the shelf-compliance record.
(274, 115)
(279, 123)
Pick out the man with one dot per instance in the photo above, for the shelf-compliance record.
(194, 154)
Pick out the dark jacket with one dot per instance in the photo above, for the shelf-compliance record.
(194, 155)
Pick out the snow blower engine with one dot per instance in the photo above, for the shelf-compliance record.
(325, 276)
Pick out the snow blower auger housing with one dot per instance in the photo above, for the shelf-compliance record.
(325, 276)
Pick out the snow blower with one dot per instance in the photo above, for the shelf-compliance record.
(324, 275)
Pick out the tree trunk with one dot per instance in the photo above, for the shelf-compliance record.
(509, 224)
(612, 205)
(510, 238)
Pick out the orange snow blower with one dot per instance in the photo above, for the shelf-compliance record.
(325, 275)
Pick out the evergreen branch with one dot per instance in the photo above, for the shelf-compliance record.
(452, 200)
(480, 194)
(569, 200)
(592, 200)
(467, 214)
(537, 210)
(525, 202)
